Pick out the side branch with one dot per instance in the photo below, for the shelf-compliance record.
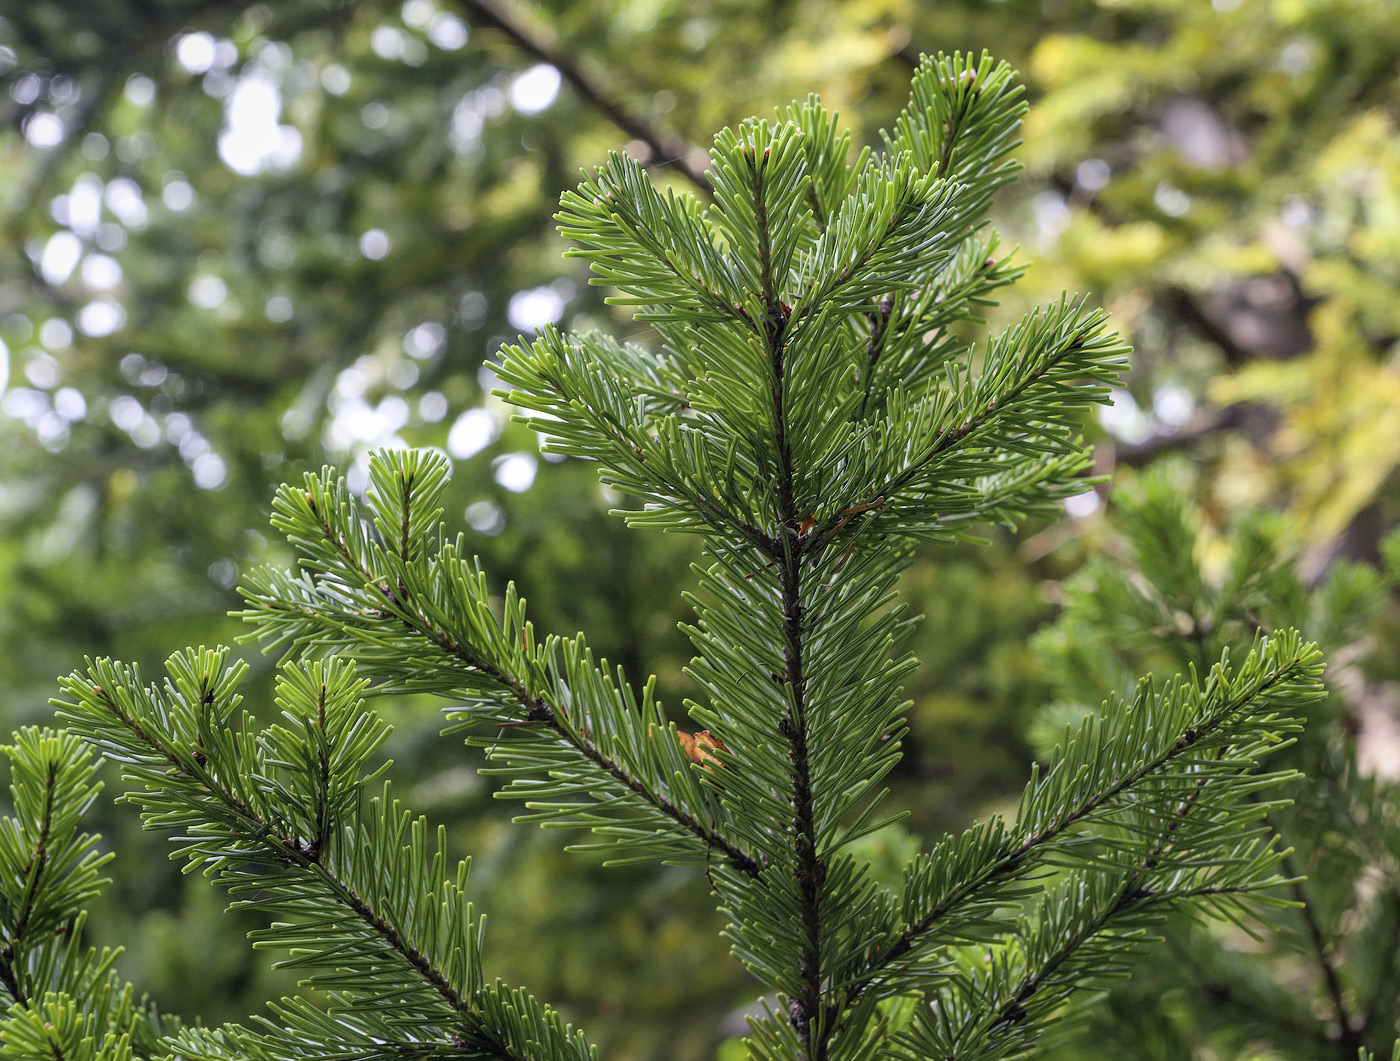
(38, 863)
(1011, 862)
(953, 436)
(537, 708)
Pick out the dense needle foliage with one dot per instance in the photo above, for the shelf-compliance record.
(813, 407)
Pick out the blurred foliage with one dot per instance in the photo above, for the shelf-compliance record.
(243, 239)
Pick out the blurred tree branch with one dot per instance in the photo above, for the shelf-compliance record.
(666, 148)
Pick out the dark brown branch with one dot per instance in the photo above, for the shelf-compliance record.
(1189, 310)
(1204, 425)
(804, 1010)
(1349, 1038)
(666, 148)
(907, 54)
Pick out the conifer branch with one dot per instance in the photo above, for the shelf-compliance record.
(770, 430)
(1014, 858)
(241, 832)
(34, 870)
(994, 407)
(809, 867)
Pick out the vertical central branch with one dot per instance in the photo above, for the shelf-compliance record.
(803, 1010)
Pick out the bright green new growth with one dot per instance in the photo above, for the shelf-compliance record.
(812, 409)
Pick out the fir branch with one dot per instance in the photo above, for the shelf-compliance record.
(48, 869)
(1079, 952)
(537, 708)
(584, 412)
(1012, 858)
(998, 404)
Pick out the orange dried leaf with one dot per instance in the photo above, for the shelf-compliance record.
(702, 748)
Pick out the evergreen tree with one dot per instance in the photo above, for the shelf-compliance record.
(814, 408)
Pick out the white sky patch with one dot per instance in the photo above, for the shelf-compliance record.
(101, 317)
(375, 114)
(123, 198)
(110, 236)
(52, 430)
(534, 90)
(432, 407)
(1171, 200)
(178, 427)
(335, 79)
(472, 432)
(467, 123)
(387, 42)
(253, 140)
(44, 130)
(209, 471)
(125, 412)
(21, 403)
(5, 366)
(1172, 406)
(1081, 505)
(26, 89)
(448, 32)
(1052, 216)
(417, 13)
(1092, 174)
(195, 52)
(177, 195)
(41, 370)
(101, 273)
(425, 340)
(278, 309)
(60, 257)
(56, 334)
(375, 244)
(485, 518)
(140, 90)
(84, 205)
(70, 404)
(208, 292)
(1123, 419)
(516, 471)
(470, 115)
(531, 310)
(402, 374)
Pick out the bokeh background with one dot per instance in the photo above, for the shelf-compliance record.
(243, 240)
